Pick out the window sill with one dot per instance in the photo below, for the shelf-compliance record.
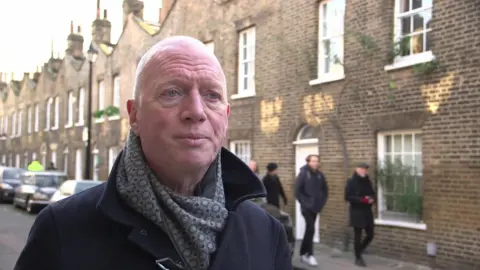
(408, 61)
(243, 95)
(68, 125)
(100, 120)
(79, 124)
(401, 224)
(113, 118)
(326, 79)
(54, 128)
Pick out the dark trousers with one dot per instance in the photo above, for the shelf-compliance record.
(307, 243)
(361, 245)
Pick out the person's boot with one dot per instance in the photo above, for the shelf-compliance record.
(360, 262)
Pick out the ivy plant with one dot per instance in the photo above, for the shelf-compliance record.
(109, 112)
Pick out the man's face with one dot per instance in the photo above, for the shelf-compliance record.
(362, 171)
(253, 166)
(313, 162)
(181, 114)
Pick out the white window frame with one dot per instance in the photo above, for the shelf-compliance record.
(81, 107)
(48, 113)
(14, 124)
(56, 113)
(1, 124)
(100, 99)
(330, 20)
(53, 158)
(70, 106)
(249, 60)
(65, 160)
(412, 59)
(29, 119)
(78, 164)
(381, 205)
(17, 161)
(116, 95)
(5, 125)
(243, 154)
(4, 160)
(19, 123)
(112, 156)
(34, 156)
(95, 162)
(36, 118)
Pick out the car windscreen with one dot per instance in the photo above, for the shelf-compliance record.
(83, 186)
(12, 173)
(49, 180)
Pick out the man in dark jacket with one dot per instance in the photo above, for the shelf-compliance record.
(174, 199)
(360, 194)
(273, 186)
(311, 191)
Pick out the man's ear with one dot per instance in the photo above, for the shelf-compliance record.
(228, 110)
(132, 115)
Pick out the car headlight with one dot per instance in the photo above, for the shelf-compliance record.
(5, 186)
(40, 196)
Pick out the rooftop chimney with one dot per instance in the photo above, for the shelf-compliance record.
(166, 5)
(132, 6)
(101, 28)
(75, 42)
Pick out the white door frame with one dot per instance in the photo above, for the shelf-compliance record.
(299, 220)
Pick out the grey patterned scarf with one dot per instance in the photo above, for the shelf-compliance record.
(192, 223)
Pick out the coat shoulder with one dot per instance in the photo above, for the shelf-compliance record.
(78, 208)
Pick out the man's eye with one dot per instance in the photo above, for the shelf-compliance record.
(172, 93)
(213, 96)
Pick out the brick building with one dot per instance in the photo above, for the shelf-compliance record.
(328, 77)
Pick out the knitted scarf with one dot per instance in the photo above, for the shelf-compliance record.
(193, 222)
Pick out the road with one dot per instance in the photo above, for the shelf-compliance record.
(14, 227)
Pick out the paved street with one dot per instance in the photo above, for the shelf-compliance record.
(14, 227)
(336, 260)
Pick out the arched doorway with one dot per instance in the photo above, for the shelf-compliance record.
(306, 143)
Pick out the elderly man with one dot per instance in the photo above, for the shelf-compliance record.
(174, 199)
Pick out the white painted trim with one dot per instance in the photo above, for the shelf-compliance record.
(327, 79)
(251, 34)
(411, 60)
(305, 142)
(401, 224)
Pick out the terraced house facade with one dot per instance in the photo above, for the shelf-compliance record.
(351, 80)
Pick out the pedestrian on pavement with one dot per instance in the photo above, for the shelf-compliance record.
(51, 166)
(254, 167)
(311, 191)
(361, 196)
(175, 199)
(273, 186)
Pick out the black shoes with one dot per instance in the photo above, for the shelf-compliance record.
(360, 262)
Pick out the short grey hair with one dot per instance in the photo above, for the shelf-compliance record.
(166, 43)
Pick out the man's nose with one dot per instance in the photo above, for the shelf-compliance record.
(194, 107)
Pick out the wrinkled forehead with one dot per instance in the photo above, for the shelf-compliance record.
(177, 59)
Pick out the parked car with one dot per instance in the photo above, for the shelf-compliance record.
(9, 180)
(36, 188)
(70, 187)
(284, 218)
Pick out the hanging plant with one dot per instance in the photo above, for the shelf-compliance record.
(109, 112)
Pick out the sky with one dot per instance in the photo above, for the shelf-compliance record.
(28, 27)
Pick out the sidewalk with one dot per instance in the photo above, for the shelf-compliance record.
(329, 259)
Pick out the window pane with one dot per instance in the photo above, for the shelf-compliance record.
(408, 161)
(245, 83)
(418, 164)
(418, 22)
(397, 143)
(244, 37)
(418, 143)
(404, 5)
(406, 26)
(416, 4)
(427, 3)
(388, 144)
(408, 140)
(245, 54)
(417, 41)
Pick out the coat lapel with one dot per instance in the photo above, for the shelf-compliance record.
(233, 253)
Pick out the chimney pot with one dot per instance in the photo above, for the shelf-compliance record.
(79, 29)
(71, 27)
(104, 14)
